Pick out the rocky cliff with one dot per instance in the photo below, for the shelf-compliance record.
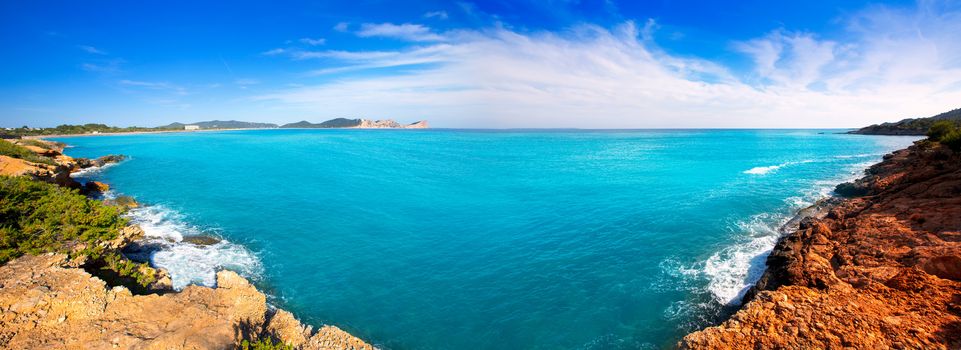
(880, 271)
(52, 302)
(45, 305)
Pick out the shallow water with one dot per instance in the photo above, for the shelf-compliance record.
(466, 239)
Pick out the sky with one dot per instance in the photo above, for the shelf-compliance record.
(497, 64)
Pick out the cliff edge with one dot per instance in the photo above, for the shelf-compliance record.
(47, 305)
(50, 301)
(879, 271)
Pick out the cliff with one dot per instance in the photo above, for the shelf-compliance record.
(47, 305)
(910, 126)
(52, 301)
(879, 271)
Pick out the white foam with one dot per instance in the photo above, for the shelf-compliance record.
(160, 222)
(761, 170)
(734, 269)
(189, 263)
(198, 264)
(91, 171)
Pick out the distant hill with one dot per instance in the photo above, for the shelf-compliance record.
(910, 126)
(222, 124)
(333, 123)
(356, 123)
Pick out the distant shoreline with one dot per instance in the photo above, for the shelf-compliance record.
(41, 137)
(37, 137)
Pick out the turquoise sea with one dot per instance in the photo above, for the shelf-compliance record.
(472, 239)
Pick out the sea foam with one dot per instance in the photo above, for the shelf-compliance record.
(761, 170)
(734, 269)
(189, 263)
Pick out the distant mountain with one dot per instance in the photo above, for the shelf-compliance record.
(222, 124)
(910, 126)
(356, 123)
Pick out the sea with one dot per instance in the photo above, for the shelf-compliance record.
(481, 239)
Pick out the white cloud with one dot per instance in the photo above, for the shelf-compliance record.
(406, 31)
(91, 50)
(341, 27)
(313, 42)
(108, 66)
(889, 64)
(436, 14)
(274, 52)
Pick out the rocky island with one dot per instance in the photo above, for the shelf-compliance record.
(356, 124)
(879, 270)
(64, 283)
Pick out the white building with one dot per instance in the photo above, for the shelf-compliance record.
(191, 127)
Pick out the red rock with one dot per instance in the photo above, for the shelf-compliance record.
(880, 271)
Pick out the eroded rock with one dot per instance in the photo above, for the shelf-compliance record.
(880, 271)
(46, 305)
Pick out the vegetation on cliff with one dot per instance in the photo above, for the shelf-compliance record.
(38, 217)
(947, 133)
(16, 151)
(910, 126)
(333, 123)
(264, 344)
(76, 129)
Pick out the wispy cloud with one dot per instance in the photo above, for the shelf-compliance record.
(313, 42)
(436, 14)
(274, 52)
(342, 27)
(91, 50)
(890, 63)
(406, 31)
(105, 66)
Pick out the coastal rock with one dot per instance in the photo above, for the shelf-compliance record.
(58, 174)
(377, 124)
(110, 159)
(83, 163)
(880, 271)
(201, 240)
(96, 187)
(418, 125)
(125, 202)
(127, 235)
(46, 305)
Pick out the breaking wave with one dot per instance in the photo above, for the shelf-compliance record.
(761, 170)
(190, 254)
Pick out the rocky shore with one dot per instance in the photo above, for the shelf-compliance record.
(881, 270)
(51, 301)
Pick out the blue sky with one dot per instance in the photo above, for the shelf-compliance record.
(589, 64)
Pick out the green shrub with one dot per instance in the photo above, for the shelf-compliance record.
(38, 217)
(45, 145)
(16, 151)
(941, 128)
(264, 344)
(952, 140)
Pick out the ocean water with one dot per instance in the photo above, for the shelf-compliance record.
(470, 239)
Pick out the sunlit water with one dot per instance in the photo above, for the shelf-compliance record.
(454, 239)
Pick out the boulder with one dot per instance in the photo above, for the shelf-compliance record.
(96, 187)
